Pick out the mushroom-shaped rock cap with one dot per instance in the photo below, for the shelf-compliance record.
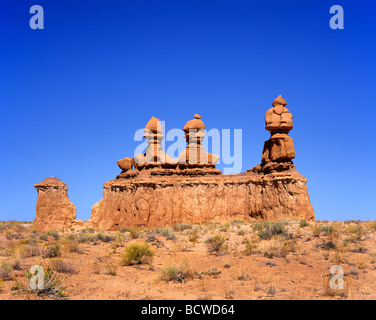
(279, 101)
(51, 182)
(154, 125)
(195, 124)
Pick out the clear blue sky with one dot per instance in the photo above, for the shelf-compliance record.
(73, 94)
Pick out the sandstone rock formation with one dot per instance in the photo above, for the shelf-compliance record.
(279, 149)
(153, 189)
(54, 210)
(152, 200)
(154, 155)
(194, 156)
(196, 192)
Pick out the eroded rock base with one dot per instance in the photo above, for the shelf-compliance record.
(160, 197)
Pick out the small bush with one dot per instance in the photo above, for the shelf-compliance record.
(52, 251)
(72, 246)
(104, 237)
(167, 232)
(237, 222)
(176, 273)
(62, 266)
(217, 244)
(134, 233)
(136, 253)
(267, 230)
(242, 232)
(54, 234)
(111, 270)
(250, 248)
(182, 227)
(303, 223)
(329, 245)
(5, 270)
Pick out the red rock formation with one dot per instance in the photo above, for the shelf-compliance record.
(154, 155)
(163, 191)
(194, 156)
(153, 200)
(279, 149)
(196, 192)
(54, 210)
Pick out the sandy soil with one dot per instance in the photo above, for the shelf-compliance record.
(293, 264)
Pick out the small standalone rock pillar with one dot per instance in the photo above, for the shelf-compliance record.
(54, 210)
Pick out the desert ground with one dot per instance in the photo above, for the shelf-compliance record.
(235, 260)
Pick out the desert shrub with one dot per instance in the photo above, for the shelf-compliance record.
(267, 230)
(250, 248)
(135, 233)
(237, 222)
(303, 223)
(136, 253)
(31, 250)
(11, 235)
(167, 232)
(176, 273)
(182, 227)
(54, 234)
(16, 265)
(194, 234)
(43, 237)
(72, 246)
(224, 227)
(104, 237)
(4, 226)
(5, 270)
(62, 266)
(242, 232)
(22, 250)
(121, 238)
(52, 285)
(111, 269)
(329, 245)
(217, 244)
(124, 230)
(280, 250)
(355, 229)
(52, 251)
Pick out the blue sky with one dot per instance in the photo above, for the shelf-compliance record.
(73, 94)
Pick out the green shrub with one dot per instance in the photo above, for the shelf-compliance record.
(167, 232)
(217, 244)
(5, 270)
(54, 234)
(62, 266)
(135, 233)
(182, 227)
(176, 273)
(303, 223)
(267, 230)
(52, 251)
(136, 253)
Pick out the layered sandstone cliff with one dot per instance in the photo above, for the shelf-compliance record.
(153, 200)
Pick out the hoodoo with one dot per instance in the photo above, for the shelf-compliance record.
(54, 209)
(154, 189)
